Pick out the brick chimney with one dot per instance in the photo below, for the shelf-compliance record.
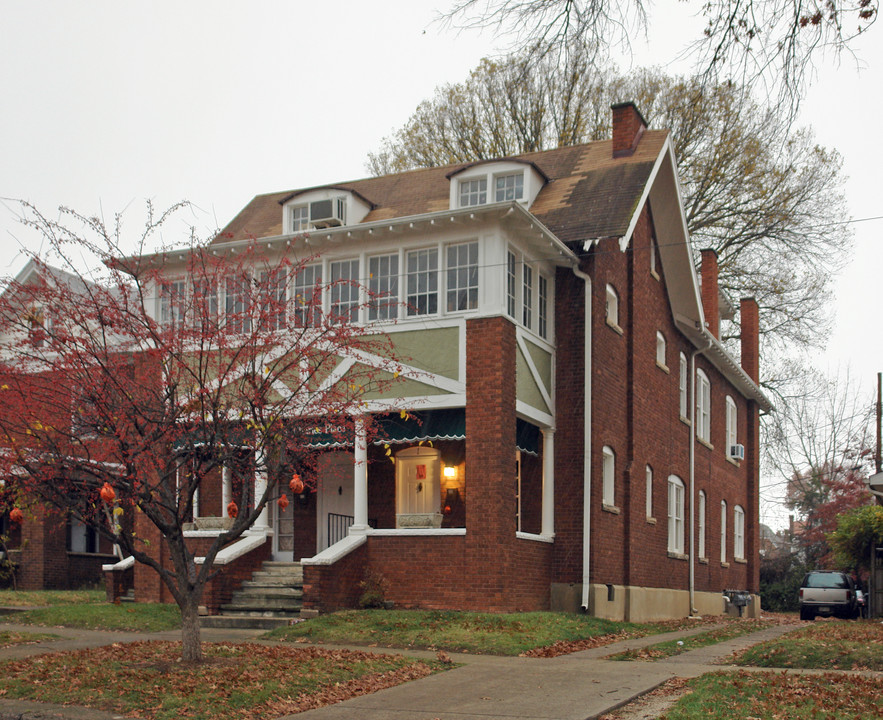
(628, 126)
(750, 322)
(711, 293)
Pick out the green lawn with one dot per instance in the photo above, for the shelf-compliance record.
(42, 598)
(147, 679)
(8, 638)
(827, 644)
(489, 633)
(724, 696)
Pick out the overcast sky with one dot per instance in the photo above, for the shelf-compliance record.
(108, 103)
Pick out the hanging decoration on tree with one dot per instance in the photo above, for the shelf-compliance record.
(232, 509)
(296, 485)
(16, 516)
(107, 493)
(282, 502)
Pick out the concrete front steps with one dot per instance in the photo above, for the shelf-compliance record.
(272, 598)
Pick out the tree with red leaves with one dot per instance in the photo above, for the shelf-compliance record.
(125, 388)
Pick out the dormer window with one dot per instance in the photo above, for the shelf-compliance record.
(300, 218)
(322, 208)
(509, 187)
(496, 181)
(473, 192)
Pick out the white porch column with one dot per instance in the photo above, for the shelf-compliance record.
(260, 487)
(226, 488)
(360, 479)
(548, 523)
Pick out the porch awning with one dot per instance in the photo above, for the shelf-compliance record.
(431, 425)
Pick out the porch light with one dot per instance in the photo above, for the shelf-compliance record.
(450, 471)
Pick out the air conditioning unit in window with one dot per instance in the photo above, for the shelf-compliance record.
(737, 452)
(328, 213)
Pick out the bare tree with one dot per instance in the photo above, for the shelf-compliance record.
(773, 43)
(764, 195)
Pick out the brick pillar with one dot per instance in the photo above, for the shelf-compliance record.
(710, 292)
(749, 319)
(148, 585)
(44, 561)
(628, 126)
(490, 460)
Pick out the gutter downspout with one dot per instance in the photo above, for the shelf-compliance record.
(692, 581)
(587, 440)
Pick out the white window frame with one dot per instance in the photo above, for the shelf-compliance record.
(648, 497)
(526, 295)
(237, 303)
(510, 191)
(660, 350)
(172, 301)
(422, 281)
(299, 218)
(608, 476)
(511, 283)
(682, 386)
(383, 287)
(273, 289)
(701, 543)
(738, 533)
(675, 515)
(612, 306)
(461, 273)
(703, 406)
(732, 425)
(542, 306)
(723, 531)
(307, 296)
(472, 191)
(344, 290)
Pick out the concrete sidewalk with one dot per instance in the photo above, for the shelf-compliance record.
(570, 687)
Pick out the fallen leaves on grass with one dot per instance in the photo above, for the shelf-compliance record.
(565, 647)
(10, 638)
(148, 679)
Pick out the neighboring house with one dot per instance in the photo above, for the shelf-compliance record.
(52, 549)
(583, 439)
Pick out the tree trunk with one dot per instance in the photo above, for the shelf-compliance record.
(191, 648)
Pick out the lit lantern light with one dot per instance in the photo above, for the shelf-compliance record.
(16, 516)
(107, 493)
(232, 509)
(282, 502)
(296, 485)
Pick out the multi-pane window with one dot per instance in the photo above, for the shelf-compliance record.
(732, 418)
(543, 307)
(205, 302)
(300, 218)
(648, 495)
(307, 296)
(509, 187)
(383, 287)
(173, 298)
(237, 303)
(473, 192)
(703, 406)
(422, 282)
(723, 531)
(660, 349)
(675, 514)
(653, 255)
(511, 280)
(682, 386)
(738, 533)
(273, 298)
(701, 548)
(612, 306)
(344, 290)
(527, 295)
(608, 474)
(462, 274)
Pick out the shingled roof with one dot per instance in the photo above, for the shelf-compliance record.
(589, 195)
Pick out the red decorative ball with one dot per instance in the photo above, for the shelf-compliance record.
(16, 516)
(107, 493)
(296, 484)
(282, 502)
(232, 509)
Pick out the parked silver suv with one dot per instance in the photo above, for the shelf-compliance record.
(828, 593)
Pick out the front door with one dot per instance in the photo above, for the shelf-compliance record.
(335, 497)
(417, 481)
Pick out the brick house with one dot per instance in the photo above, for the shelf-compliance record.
(583, 438)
